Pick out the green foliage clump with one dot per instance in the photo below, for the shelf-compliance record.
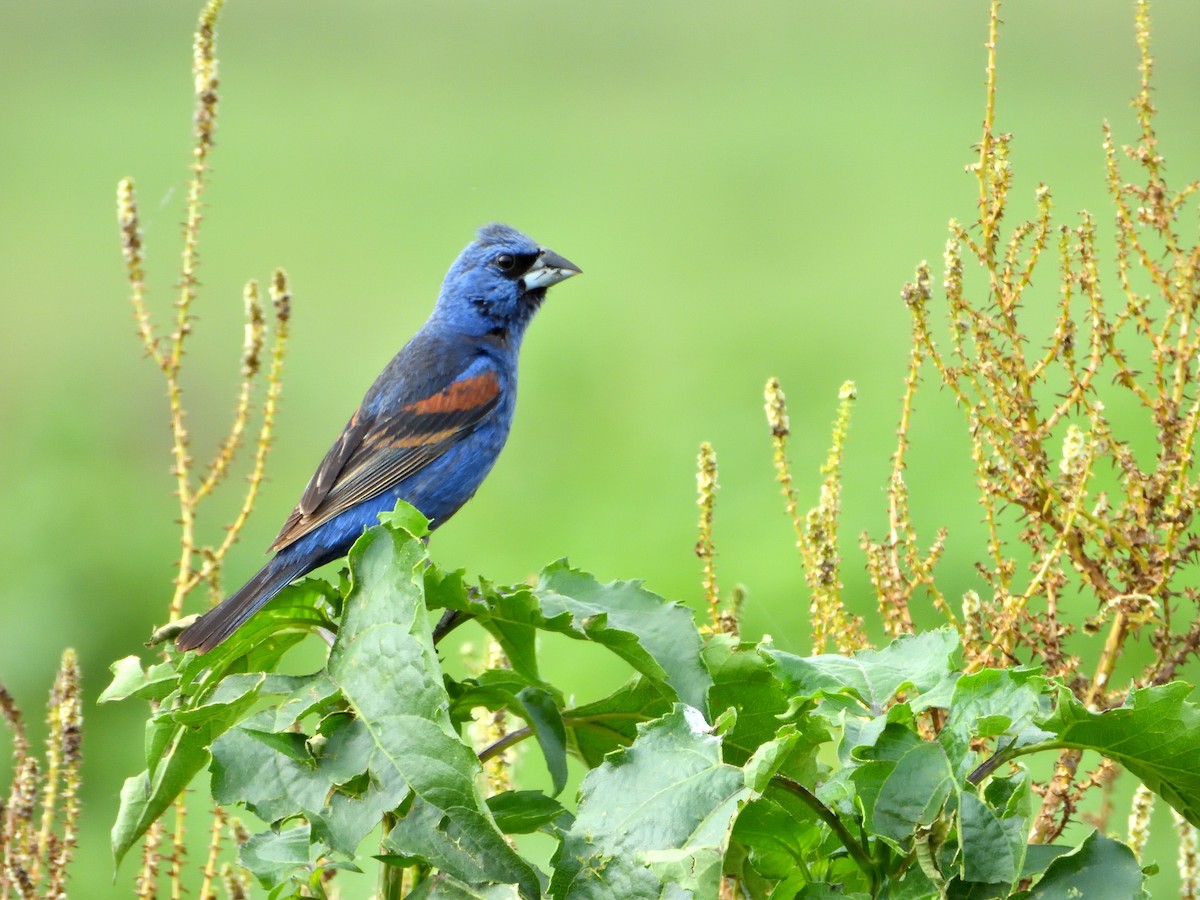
(886, 770)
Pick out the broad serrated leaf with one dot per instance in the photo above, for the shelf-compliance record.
(655, 636)
(780, 831)
(275, 785)
(405, 517)
(506, 689)
(687, 873)
(742, 680)
(916, 662)
(316, 692)
(144, 799)
(892, 741)
(1100, 869)
(994, 703)
(958, 889)
(1155, 735)
(523, 812)
(258, 645)
(1010, 795)
(385, 665)
(992, 847)
(669, 791)
(129, 680)
(1039, 856)
(827, 892)
(201, 697)
(538, 708)
(911, 795)
(914, 884)
(178, 744)
(491, 688)
(272, 856)
(869, 738)
(596, 729)
(443, 887)
(512, 617)
(222, 705)
(765, 762)
(291, 744)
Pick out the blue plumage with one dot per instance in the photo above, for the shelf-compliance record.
(428, 430)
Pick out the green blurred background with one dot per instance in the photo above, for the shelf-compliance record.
(746, 187)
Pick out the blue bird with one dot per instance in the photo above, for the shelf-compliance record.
(429, 429)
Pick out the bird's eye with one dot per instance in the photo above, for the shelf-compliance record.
(506, 262)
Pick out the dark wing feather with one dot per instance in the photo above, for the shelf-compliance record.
(377, 452)
(331, 466)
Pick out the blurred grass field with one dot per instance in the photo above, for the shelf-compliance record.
(745, 187)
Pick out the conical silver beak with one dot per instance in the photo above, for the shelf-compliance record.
(550, 268)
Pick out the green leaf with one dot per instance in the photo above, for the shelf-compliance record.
(780, 832)
(913, 885)
(200, 701)
(992, 847)
(688, 872)
(538, 708)
(272, 856)
(313, 693)
(506, 689)
(959, 889)
(1100, 869)
(524, 812)
(405, 517)
(994, 703)
(744, 681)
(177, 748)
(911, 795)
(144, 799)
(443, 887)
(1039, 856)
(349, 816)
(653, 634)
(1010, 795)
(291, 744)
(916, 662)
(1155, 735)
(224, 704)
(511, 616)
(387, 669)
(130, 681)
(275, 785)
(668, 792)
(766, 761)
(869, 766)
(827, 892)
(258, 645)
(596, 729)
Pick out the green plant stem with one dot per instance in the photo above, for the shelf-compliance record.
(990, 765)
(515, 737)
(857, 851)
(391, 878)
(450, 620)
(495, 749)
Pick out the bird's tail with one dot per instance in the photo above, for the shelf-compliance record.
(219, 623)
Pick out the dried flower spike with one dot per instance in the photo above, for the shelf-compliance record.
(706, 493)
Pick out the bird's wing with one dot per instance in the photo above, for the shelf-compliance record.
(379, 450)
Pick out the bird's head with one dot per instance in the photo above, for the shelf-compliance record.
(499, 280)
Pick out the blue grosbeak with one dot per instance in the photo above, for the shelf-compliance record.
(428, 430)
